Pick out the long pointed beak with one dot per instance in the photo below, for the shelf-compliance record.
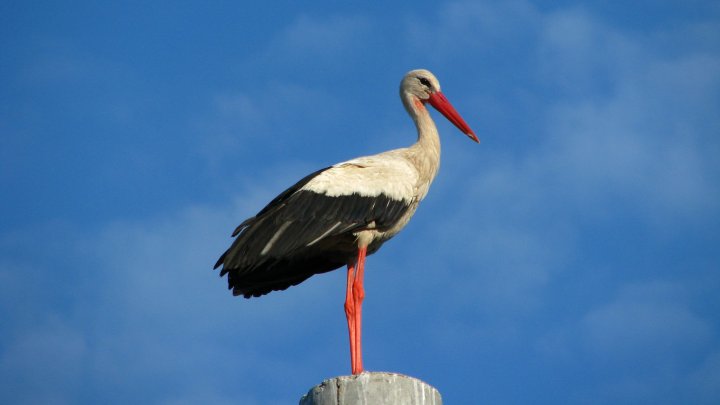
(442, 104)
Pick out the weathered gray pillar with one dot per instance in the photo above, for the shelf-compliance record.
(372, 388)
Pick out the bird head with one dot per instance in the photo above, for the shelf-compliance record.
(422, 86)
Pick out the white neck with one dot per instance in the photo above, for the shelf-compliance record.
(425, 153)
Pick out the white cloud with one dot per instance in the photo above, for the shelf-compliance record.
(267, 118)
(44, 360)
(326, 41)
(467, 27)
(704, 383)
(149, 309)
(508, 250)
(645, 323)
(632, 128)
(637, 147)
(626, 131)
(646, 342)
(311, 36)
(644, 145)
(624, 126)
(272, 122)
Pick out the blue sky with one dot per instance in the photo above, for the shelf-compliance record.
(571, 257)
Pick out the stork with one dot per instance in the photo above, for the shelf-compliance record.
(338, 215)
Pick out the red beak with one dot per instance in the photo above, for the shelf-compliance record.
(442, 104)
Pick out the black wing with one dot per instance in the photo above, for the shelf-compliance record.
(301, 233)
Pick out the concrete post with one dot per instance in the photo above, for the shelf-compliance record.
(376, 388)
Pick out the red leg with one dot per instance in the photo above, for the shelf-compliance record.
(359, 296)
(350, 314)
(354, 297)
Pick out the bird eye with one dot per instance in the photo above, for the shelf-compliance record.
(424, 81)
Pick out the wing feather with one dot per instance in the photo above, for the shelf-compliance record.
(310, 227)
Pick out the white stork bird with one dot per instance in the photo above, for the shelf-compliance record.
(336, 216)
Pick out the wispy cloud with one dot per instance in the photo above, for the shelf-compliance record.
(639, 344)
(44, 360)
(628, 134)
(244, 125)
(465, 26)
(144, 298)
(324, 40)
(573, 244)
